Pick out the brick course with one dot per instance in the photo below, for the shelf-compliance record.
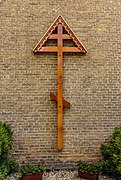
(92, 83)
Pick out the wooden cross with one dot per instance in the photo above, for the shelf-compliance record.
(60, 31)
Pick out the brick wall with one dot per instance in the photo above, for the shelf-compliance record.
(92, 83)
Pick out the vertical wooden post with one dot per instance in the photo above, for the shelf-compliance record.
(60, 88)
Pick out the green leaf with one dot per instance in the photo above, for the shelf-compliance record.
(112, 155)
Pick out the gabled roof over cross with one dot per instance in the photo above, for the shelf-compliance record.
(69, 35)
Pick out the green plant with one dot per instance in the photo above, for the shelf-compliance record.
(88, 167)
(35, 169)
(5, 140)
(6, 165)
(82, 166)
(11, 165)
(111, 165)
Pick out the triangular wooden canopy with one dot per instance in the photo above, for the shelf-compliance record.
(60, 31)
(70, 35)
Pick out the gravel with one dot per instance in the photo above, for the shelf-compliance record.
(61, 175)
(14, 176)
(56, 175)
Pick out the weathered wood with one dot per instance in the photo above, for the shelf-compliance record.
(54, 98)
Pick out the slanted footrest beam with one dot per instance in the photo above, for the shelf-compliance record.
(65, 103)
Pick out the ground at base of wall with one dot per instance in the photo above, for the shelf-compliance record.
(57, 175)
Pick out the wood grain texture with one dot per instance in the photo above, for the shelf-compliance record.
(60, 89)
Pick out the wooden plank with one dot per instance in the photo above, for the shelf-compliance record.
(65, 103)
(60, 89)
(55, 36)
(47, 49)
(71, 49)
(55, 49)
(53, 96)
(66, 36)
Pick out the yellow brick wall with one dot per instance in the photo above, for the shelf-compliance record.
(91, 83)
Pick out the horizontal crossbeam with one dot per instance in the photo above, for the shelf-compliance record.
(55, 49)
(54, 97)
(55, 36)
